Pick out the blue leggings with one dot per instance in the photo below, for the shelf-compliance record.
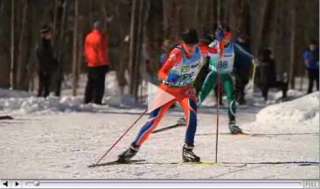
(190, 110)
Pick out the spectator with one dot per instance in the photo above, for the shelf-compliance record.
(96, 53)
(311, 61)
(242, 68)
(46, 62)
(268, 76)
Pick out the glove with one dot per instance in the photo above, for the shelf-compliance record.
(173, 77)
(255, 61)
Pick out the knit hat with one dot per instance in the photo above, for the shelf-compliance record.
(190, 36)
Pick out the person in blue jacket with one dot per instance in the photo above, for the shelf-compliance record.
(242, 68)
(311, 61)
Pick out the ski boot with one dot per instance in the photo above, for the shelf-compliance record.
(188, 155)
(234, 129)
(125, 156)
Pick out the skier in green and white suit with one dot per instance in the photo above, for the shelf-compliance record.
(222, 63)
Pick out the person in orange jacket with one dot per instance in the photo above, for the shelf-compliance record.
(96, 53)
(177, 75)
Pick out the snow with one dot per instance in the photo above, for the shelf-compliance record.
(304, 110)
(4, 93)
(53, 138)
(49, 105)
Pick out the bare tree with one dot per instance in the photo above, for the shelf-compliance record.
(74, 53)
(20, 60)
(292, 44)
(12, 67)
(132, 46)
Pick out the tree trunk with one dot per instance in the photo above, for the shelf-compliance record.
(139, 41)
(79, 58)
(12, 66)
(74, 57)
(55, 22)
(165, 20)
(196, 14)
(219, 12)
(21, 62)
(60, 46)
(292, 44)
(261, 25)
(132, 46)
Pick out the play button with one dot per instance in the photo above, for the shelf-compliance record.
(6, 184)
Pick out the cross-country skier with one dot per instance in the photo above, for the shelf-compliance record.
(177, 75)
(224, 65)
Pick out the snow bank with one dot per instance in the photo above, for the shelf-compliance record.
(5, 93)
(111, 84)
(291, 94)
(45, 105)
(302, 110)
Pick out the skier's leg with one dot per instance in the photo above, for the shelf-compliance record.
(238, 87)
(152, 123)
(88, 96)
(208, 85)
(190, 109)
(145, 131)
(100, 85)
(229, 89)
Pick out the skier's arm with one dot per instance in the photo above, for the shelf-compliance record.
(174, 57)
(239, 49)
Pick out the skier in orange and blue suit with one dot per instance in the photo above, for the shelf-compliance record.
(177, 76)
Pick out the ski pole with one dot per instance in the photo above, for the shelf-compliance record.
(221, 46)
(217, 123)
(253, 76)
(118, 140)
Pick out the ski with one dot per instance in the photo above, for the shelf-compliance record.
(6, 117)
(227, 134)
(115, 162)
(168, 127)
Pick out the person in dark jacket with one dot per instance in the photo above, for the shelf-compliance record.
(46, 61)
(242, 69)
(311, 61)
(268, 75)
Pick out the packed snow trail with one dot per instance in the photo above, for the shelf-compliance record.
(63, 139)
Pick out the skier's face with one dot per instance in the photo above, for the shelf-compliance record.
(190, 48)
(226, 40)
